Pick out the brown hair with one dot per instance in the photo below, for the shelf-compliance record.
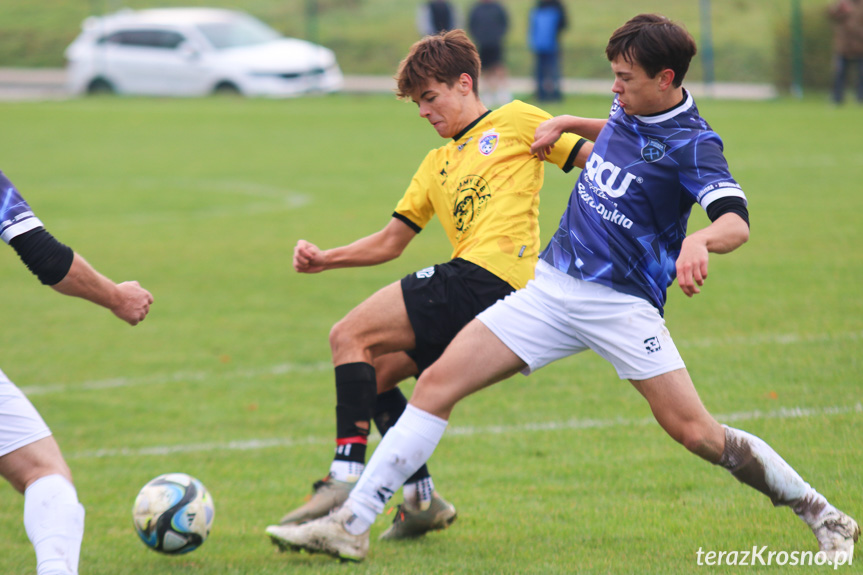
(655, 43)
(443, 58)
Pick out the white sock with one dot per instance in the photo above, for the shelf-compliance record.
(347, 471)
(54, 520)
(756, 464)
(403, 450)
(419, 493)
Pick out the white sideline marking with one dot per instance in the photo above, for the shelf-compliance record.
(773, 339)
(466, 431)
(283, 368)
(180, 376)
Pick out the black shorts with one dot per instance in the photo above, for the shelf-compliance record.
(490, 55)
(442, 300)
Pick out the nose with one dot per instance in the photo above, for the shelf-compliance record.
(616, 87)
(424, 110)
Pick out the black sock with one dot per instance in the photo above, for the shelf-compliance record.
(356, 390)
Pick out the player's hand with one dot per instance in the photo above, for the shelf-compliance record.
(133, 303)
(692, 265)
(544, 138)
(308, 258)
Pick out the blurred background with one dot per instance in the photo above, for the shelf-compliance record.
(783, 43)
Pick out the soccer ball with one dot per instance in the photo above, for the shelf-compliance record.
(173, 513)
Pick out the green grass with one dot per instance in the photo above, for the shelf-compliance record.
(228, 379)
(371, 36)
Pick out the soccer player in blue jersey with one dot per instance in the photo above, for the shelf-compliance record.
(29, 456)
(600, 284)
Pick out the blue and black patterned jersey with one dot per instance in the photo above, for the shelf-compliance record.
(627, 216)
(16, 217)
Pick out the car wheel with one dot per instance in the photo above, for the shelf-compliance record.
(100, 86)
(226, 89)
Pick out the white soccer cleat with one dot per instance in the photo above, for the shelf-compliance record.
(323, 535)
(836, 534)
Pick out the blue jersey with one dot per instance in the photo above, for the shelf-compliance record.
(16, 217)
(626, 218)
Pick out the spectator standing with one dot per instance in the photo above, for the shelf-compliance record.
(847, 16)
(488, 23)
(547, 21)
(436, 16)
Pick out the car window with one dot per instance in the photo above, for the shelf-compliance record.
(165, 39)
(236, 33)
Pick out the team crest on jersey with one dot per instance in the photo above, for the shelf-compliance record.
(488, 142)
(471, 197)
(653, 151)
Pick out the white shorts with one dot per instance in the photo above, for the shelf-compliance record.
(20, 423)
(557, 315)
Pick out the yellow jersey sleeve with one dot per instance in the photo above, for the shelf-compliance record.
(416, 206)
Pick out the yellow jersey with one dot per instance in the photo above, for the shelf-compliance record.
(484, 187)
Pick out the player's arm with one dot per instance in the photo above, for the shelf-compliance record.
(58, 266)
(728, 231)
(382, 246)
(550, 131)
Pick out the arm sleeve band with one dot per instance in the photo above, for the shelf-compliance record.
(731, 204)
(407, 222)
(570, 161)
(43, 255)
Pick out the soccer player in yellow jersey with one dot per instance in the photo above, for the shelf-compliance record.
(484, 187)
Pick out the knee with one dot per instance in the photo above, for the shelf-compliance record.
(431, 395)
(341, 337)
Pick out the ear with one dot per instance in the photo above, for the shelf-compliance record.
(465, 84)
(666, 79)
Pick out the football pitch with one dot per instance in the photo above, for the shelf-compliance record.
(229, 377)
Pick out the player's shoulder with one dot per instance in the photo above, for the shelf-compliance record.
(520, 115)
(517, 107)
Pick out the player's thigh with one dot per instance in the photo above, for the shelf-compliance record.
(27, 450)
(441, 300)
(475, 359)
(380, 324)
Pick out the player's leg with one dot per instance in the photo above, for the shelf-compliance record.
(678, 409)
(376, 327)
(31, 461)
(423, 509)
(475, 359)
(393, 368)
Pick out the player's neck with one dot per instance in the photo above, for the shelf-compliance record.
(672, 99)
(471, 112)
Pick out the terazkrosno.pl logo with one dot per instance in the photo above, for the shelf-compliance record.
(763, 556)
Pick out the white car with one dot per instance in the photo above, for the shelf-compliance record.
(195, 52)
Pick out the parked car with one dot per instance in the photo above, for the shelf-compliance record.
(194, 52)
